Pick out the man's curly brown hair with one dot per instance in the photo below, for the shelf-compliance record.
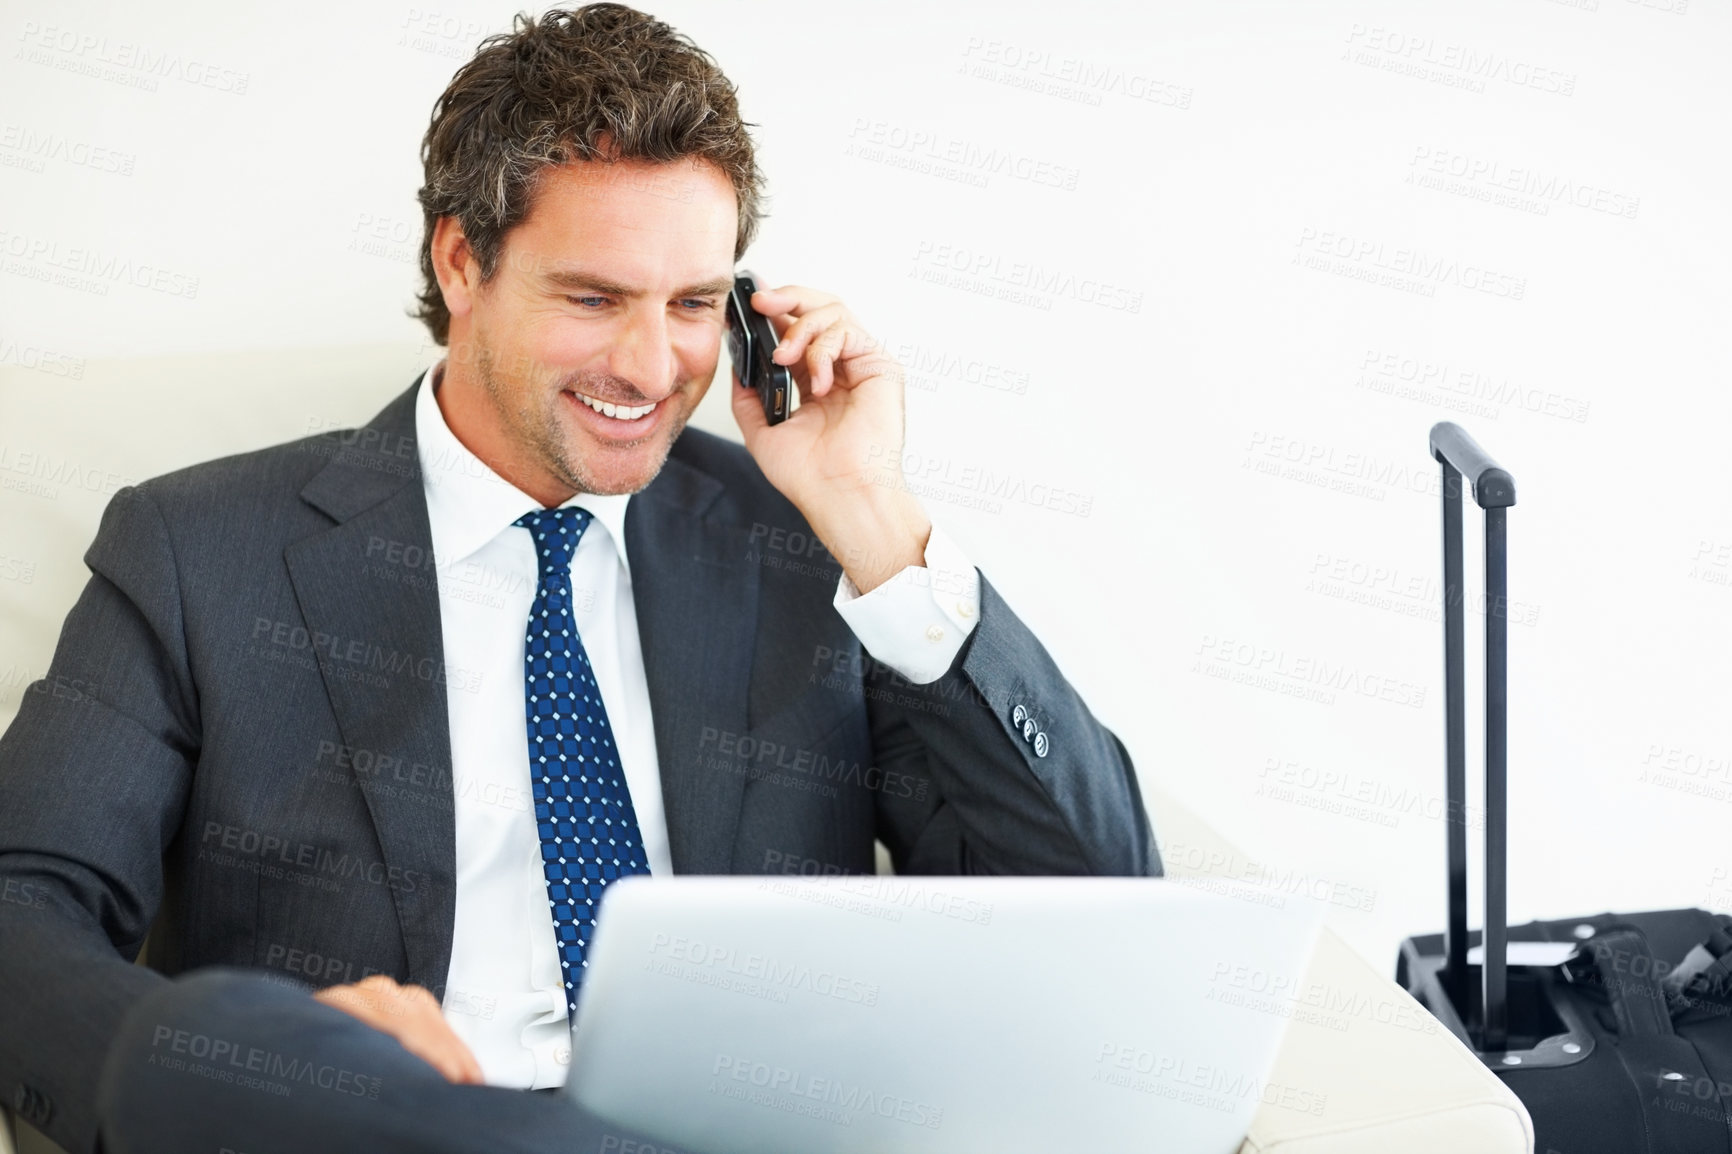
(602, 82)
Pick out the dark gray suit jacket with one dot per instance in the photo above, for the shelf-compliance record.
(241, 746)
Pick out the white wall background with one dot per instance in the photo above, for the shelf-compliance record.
(1337, 222)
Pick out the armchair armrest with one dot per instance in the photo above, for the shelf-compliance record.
(1378, 1071)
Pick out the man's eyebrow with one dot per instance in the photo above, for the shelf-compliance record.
(720, 286)
(578, 279)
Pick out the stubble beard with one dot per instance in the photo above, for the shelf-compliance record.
(531, 415)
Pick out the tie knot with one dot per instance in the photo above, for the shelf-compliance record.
(556, 533)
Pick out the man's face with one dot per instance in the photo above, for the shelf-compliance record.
(601, 330)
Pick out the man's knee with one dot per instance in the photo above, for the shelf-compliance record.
(200, 1052)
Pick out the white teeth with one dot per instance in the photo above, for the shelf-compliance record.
(617, 412)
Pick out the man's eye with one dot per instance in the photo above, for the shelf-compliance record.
(697, 304)
(588, 302)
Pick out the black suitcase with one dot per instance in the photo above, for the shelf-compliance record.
(1626, 1046)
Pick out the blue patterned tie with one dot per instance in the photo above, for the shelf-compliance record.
(583, 811)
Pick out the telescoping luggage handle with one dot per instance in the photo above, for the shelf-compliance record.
(1494, 491)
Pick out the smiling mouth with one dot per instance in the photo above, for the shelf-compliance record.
(617, 412)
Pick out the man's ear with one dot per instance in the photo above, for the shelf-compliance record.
(455, 266)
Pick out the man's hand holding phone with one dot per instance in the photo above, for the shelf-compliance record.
(838, 456)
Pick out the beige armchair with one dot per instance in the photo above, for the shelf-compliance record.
(1384, 1075)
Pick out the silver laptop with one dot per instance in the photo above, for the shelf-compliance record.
(899, 1015)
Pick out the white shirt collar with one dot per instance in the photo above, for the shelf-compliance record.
(468, 504)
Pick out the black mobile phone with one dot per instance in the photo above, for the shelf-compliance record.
(751, 340)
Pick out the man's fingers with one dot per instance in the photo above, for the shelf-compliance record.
(413, 1016)
(790, 298)
(371, 999)
(816, 333)
(748, 413)
(471, 1066)
(821, 358)
(444, 1051)
(795, 337)
(362, 1004)
(817, 341)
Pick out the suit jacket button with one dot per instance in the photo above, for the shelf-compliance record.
(1029, 729)
(1041, 744)
(1018, 715)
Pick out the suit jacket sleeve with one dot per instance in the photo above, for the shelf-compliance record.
(94, 773)
(999, 806)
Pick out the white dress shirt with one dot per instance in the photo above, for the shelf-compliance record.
(504, 994)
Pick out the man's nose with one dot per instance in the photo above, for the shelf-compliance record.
(643, 354)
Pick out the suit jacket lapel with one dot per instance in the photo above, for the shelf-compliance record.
(380, 649)
(696, 597)
(381, 653)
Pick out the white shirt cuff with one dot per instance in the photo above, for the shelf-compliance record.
(917, 621)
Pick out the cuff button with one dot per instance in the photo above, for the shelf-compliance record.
(1041, 744)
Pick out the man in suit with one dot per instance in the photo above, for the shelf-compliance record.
(381, 713)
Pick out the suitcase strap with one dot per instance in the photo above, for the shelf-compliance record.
(1625, 966)
(1705, 972)
(1683, 1109)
